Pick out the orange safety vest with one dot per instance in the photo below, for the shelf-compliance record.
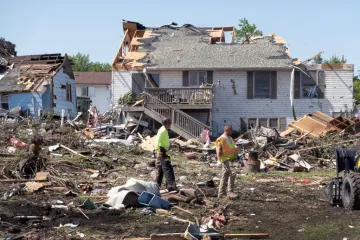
(228, 148)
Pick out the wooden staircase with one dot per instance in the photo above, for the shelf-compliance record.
(182, 123)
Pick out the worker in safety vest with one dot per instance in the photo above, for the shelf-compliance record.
(163, 164)
(227, 152)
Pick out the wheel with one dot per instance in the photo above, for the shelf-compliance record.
(351, 191)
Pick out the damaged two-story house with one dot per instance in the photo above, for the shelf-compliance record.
(38, 85)
(198, 79)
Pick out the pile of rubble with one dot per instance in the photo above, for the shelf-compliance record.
(85, 167)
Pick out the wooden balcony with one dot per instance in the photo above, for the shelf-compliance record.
(184, 98)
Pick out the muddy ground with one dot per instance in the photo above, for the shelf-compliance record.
(285, 205)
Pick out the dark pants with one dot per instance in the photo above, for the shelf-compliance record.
(163, 165)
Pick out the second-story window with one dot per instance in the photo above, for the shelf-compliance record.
(309, 85)
(197, 78)
(262, 84)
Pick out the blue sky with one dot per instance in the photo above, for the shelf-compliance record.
(95, 27)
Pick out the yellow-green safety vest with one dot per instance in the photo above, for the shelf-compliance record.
(229, 150)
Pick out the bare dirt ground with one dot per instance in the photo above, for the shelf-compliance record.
(285, 205)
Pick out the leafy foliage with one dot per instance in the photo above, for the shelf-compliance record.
(318, 60)
(334, 60)
(81, 63)
(357, 89)
(99, 67)
(126, 99)
(246, 29)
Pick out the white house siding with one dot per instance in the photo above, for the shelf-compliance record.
(170, 79)
(60, 94)
(121, 84)
(100, 98)
(228, 108)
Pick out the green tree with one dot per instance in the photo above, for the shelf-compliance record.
(81, 62)
(246, 29)
(318, 60)
(334, 60)
(99, 67)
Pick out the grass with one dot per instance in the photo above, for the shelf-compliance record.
(330, 230)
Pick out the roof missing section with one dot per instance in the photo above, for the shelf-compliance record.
(29, 73)
(189, 47)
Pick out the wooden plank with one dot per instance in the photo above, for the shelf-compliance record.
(338, 66)
(127, 26)
(135, 55)
(287, 132)
(309, 59)
(72, 151)
(215, 33)
(118, 52)
(137, 125)
(248, 235)
(226, 29)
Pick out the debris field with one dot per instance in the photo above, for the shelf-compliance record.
(67, 180)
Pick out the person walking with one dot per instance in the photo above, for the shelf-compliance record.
(163, 164)
(227, 153)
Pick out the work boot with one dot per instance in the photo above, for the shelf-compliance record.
(232, 195)
(173, 189)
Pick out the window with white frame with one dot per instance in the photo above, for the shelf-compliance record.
(197, 78)
(4, 99)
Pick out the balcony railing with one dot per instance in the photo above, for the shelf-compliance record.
(191, 96)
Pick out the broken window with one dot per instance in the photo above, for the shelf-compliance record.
(4, 101)
(252, 123)
(155, 80)
(68, 93)
(305, 86)
(273, 123)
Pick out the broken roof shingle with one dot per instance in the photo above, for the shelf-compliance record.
(186, 49)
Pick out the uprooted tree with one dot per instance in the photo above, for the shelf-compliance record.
(245, 30)
(81, 63)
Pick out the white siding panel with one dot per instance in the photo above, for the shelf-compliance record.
(121, 84)
(100, 98)
(229, 108)
(170, 79)
(60, 102)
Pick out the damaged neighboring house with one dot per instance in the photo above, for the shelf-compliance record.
(39, 84)
(193, 76)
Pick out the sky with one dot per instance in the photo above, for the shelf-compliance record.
(95, 27)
